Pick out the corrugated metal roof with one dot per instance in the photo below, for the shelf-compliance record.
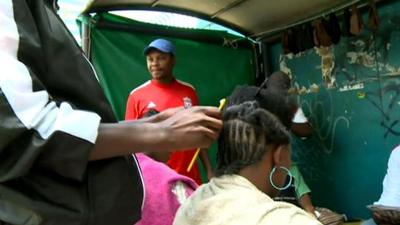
(254, 18)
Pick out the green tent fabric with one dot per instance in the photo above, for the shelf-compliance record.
(209, 60)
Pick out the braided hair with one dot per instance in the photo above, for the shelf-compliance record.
(279, 103)
(277, 80)
(252, 124)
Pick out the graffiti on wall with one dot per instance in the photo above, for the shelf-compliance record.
(351, 66)
(357, 72)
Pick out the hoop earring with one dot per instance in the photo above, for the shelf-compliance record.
(288, 173)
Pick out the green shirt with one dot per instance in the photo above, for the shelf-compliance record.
(299, 183)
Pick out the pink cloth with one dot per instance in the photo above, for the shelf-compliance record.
(160, 203)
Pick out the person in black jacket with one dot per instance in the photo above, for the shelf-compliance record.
(64, 159)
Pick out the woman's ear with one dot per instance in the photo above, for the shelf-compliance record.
(281, 156)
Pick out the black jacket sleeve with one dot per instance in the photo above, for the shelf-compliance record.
(37, 127)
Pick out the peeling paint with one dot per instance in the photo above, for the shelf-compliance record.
(303, 90)
(391, 68)
(314, 88)
(296, 89)
(359, 43)
(327, 65)
(283, 67)
(364, 58)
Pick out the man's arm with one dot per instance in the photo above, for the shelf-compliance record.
(188, 128)
(302, 190)
(206, 163)
(306, 204)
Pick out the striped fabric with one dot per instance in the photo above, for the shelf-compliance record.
(328, 217)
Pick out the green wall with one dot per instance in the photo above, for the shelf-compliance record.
(214, 64)
(356, 122)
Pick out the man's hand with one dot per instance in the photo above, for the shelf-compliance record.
(210, 174)
(196, 127)
(206, 163)
(165, 114)
(173, 129)
(384, 220)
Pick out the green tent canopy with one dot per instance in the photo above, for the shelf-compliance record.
(214, 62)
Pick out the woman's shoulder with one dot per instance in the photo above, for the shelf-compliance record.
(285, 213)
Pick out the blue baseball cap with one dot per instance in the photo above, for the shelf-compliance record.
(161, 45)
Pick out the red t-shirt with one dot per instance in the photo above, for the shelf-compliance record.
(158, 96)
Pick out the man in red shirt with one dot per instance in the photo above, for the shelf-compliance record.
(163, 91)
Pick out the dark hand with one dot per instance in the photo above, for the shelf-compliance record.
(196, 127)
(382, 220)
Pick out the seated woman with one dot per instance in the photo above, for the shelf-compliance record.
(252, 160)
